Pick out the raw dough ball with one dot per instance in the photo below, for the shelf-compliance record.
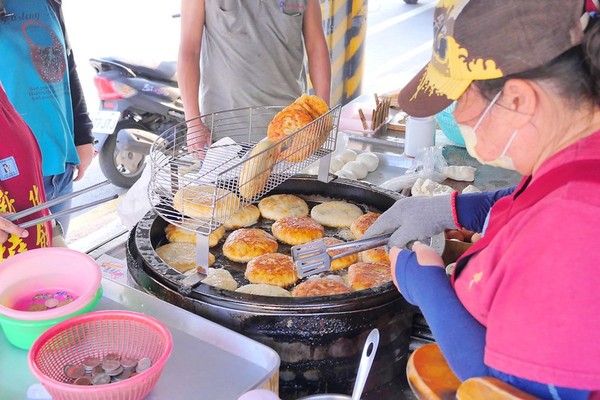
(357, 168)
(220, 278)
(336, 164)
(347, 155)
(344, 173)
(370, 160)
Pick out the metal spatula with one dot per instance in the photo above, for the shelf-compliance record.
(313, 258)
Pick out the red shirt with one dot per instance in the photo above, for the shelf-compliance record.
(21, 181)
(536, 286)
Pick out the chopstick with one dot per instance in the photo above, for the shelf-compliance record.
(65, 212)
(363, 120)
(53, 202)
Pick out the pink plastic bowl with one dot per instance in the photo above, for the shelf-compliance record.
(47, 270)
(127, 333)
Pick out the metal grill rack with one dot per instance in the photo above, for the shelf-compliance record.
(179, 162)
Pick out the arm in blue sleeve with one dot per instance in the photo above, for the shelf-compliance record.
(473, 208)
(460, 337)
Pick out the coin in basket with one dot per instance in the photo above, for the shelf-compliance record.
(74, 371)
(110, 365)
(100, 379)
(97, 370)
(128, 363)
(51, 303)
(83, 381)
(90, 363)
(126, 374)
(112, 357)
(143, 364)
(114, 372)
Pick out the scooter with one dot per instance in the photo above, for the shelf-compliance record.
(137, 103)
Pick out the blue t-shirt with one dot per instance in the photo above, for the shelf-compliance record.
(34, 73)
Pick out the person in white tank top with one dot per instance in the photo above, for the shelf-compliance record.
(246, 53)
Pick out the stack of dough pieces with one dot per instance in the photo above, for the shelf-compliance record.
(294, 117)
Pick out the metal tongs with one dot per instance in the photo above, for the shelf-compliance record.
(313, 258)
(58, 200)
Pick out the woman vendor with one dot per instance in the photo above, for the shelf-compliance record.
(522, 302)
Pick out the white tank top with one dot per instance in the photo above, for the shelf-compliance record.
(252, 54)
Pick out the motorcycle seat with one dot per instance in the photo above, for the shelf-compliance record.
(161, 70)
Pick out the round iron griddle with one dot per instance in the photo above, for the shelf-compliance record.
(318, 338)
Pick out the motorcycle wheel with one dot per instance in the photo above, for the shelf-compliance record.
(121, 168)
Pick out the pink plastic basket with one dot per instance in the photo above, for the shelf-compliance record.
(97, 334)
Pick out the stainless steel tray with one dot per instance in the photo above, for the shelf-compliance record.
(204, 354)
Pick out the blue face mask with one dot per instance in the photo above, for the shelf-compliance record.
(470, 136)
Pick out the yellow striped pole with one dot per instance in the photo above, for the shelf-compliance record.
(345, 25)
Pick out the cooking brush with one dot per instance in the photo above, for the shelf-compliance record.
(314, 257)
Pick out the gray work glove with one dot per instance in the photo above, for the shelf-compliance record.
(414, 218)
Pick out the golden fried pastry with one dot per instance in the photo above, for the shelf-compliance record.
(320, 287)
(220, 278)
(362, 223)
(377, 255)
(256, 170)
(336, 214)
(314, 105)
(280, 206)
(343, 262)
(197, 201)
(176, 234)
(272, 269)
(246, 243)
(297, 230)
(262, 289)
(288, 121)
(367, 275)
(181, 256)
(247, 216)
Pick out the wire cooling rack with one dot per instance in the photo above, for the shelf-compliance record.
(179, 162)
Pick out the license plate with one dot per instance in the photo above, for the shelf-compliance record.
(105, 121)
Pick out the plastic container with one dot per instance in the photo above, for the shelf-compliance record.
(448, 125)
(127, 333)
(22, 333)
(37, 278)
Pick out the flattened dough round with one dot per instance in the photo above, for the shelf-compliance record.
(280, 206)
(297, 230)
(320, 287)
(247, 216)
(176, 234)
(343, 262)
(367, 275)
(272, 269)
(196, 201)
(244, 244)
(262, 289)
(362, 223)
(181, 256)
(336, 214)
(377, 255)
(220, 278)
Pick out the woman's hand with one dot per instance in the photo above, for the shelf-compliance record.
(409, 266)
(7, 228)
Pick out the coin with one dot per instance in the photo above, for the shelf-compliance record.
(51, 303)
(91, 362)
(143, 364)
(83, 381)
(36, 307)
(74, 371)
(126, 374)
(114, 372)
(97, 370)
(112, 357)
(100, 379)
(128, 362)
(110, 365)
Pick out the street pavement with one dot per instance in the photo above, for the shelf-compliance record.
(397, 45)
